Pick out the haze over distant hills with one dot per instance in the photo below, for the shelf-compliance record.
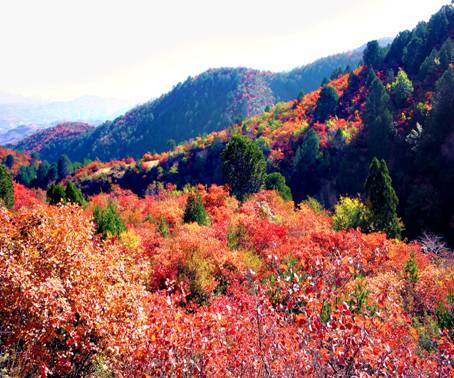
(21, 116)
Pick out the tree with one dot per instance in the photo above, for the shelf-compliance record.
(108, 221)
(243, 166)
(326, 104)
(373, 55)
(195, 210)
(9, 161)
(74, 195)
(378, 125)
(306, 166)
(6, 188)
(401, 88)
(275, 181)
(64, 167)
(42, 175)
(382, 200)
(56, 194)
(27, 175)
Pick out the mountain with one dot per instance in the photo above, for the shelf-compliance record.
(14, 135)
(16, 110)
(398, 107)
(208, 102)
(45, 139)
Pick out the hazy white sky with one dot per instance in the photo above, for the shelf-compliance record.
(138, 49)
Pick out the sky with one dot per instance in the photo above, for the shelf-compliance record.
(138, 49)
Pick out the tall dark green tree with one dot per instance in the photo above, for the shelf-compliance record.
(326, 104)
(306, 166)
(6, 188)
(74, 195)
(378, 121)
(373, 55)
(195, 210)
(382, 200)
(42, 174)
(243, 166)
(9, 161)
(108, 221)
(64, 167)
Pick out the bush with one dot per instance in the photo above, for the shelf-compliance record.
(275, 181)
(350, 213)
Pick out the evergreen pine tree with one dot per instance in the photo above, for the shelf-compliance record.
(55, 194)
(64, 167)
(195, 210)
(244, 166)
(382, 200)
(326, 104)
(306, 166)
(6, 188)
(9, 161)
(378, 122)
(74, 195)
(401, 88)
(373, 55)
(107, 221)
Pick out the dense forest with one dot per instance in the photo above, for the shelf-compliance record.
(313, 239)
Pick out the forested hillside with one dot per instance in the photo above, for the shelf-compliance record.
(310, 240)
(208, 102)
(397, 107)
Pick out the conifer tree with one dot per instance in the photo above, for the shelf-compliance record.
(9, 161)
(326, 104)
(401, 88)
(195, 210)
(378, 122)
(56, 194)
(244, 166)
(382, 200)
(74, 195)
(64, 167)
(107, 221)
(6, 188)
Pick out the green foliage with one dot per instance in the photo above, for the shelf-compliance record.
(108, 221)
(195, 210)
(56, 194)
(6, 188)
(27, 174)
(163, 227)
(64, 167)
(306, 165)
(74, 195)
(411, 269)
(314, 204)
(444, 317)
(325, 314)
(373, 55)
(275, 181)
(378, 125)
(401, 88)
(326, 104)
(350, 213)
(382, 200)
(244, 166)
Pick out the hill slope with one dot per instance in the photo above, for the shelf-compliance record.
(202, 104)
(416, 141)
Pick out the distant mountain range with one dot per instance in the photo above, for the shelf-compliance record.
(21, 116)
(208, 102)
